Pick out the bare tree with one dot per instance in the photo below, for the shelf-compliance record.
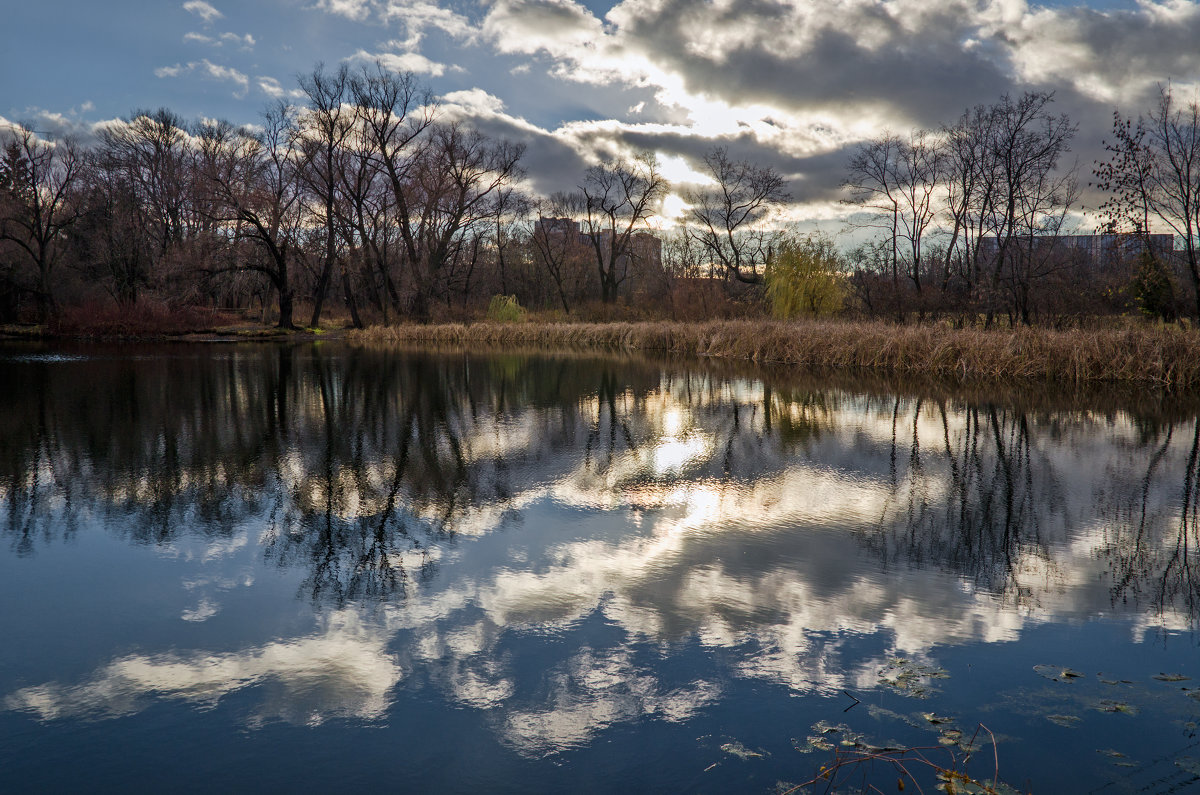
(365, 218)
(458, 177)
(729, 217)
(1025, 145)
(970, 189)
(1154, 173)
(38, 207)
(510, 210)
(898, 180)
(619, 195)
(145, 165)
(557, 242)
(326, 125)
(256, 186)
(395, 113)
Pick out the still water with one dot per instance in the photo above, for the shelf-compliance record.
(321, 567)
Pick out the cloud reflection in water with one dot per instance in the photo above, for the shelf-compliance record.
(461, 519)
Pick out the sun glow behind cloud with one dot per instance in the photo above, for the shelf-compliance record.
(793, 85)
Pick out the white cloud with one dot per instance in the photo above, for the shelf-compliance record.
(343, 671)
(417, 16)
(209, 69)
(273, 88)
(403, 62)
(356, 10)
(474, 102)
(246, 41)
(202, 9)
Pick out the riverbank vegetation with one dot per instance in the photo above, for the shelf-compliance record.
(366, 204)
(1166, 355)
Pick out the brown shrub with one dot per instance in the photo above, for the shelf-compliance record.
(146, 318)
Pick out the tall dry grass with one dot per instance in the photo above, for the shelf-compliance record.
(1165, 356)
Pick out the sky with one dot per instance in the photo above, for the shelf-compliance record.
(791, 84)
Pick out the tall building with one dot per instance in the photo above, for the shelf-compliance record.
(1099, 251)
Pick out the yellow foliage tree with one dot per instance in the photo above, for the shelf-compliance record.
(805, 278)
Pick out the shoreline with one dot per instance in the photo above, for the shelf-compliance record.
(225, 334)
(1163, 357)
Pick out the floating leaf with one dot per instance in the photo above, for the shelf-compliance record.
(741, 751)
(803, 747)
(819, 743)
(935, 719)
(1108, 705)
(1189, 764)
(1110, 753)
(910, 678)
(1171, 677)
(1070, 721)
(950, 737)
(1057, 673)
(952, 781)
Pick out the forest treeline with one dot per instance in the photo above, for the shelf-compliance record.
(367, 199)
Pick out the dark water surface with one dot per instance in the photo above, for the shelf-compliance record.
(317, 568)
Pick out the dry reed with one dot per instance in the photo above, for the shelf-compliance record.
(1165, 356)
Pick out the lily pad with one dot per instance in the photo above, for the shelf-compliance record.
(909, 678)
(1057, 673)
(819, 743)
(952, 781)
(1108, 705)
(1171, 677)
(741, 751)
(950, 737)
(1070, 721)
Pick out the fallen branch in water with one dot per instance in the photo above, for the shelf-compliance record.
(951, 774)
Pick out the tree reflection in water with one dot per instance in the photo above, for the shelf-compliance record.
(363, 464)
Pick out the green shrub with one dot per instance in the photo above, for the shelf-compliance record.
(805, 279)
(1153, 290)
(505, 309)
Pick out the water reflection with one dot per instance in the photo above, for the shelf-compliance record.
(343, 671)
(447, 511)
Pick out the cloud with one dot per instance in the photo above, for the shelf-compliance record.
(403, 62)
(418, 16)
(246, 42)
(474, 102)
(208, 69)
(356, 10)
(273, 88)
(343, 671)
(52, 125)
(203, 10)
(798, 85)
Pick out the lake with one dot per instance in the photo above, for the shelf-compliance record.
(319, 567)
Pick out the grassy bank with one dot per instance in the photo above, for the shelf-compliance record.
(1162, 356)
